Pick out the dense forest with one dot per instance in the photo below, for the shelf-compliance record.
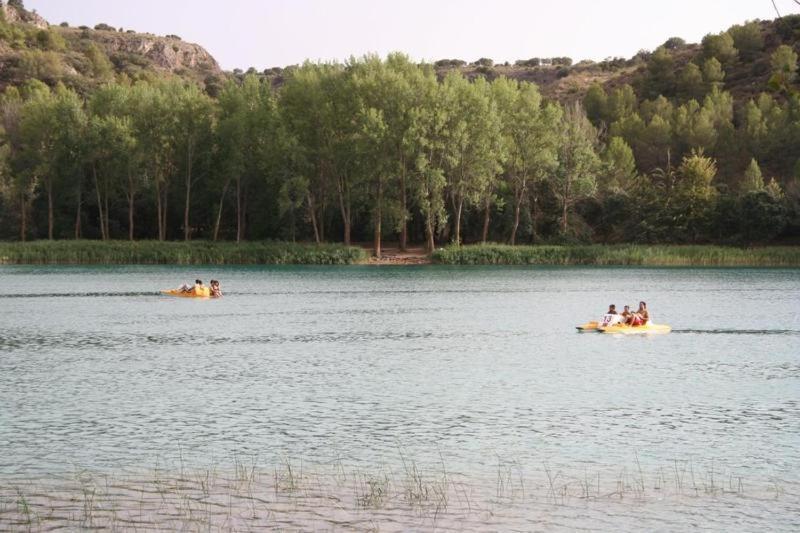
(385, 148)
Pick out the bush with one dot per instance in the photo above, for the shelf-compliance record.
(40, 65)
(50, 40)
(673, 43)
(452, 63)
(532, 62)
(484, 62)
(64, 24)
(104, 27)
(762, 217)
(173, 36)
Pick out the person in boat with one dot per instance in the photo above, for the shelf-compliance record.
(626, 313)
(216, 292)
(641, 317)
(611, 317)
(186, 288)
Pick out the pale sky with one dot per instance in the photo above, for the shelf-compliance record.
(267, 33)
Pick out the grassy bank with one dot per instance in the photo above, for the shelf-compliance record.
(697, 255)
(179, 253)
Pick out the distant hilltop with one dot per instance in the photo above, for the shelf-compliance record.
(31, 47)
(85, 57)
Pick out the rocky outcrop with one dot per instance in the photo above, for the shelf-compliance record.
(12, 14)
(167, 53)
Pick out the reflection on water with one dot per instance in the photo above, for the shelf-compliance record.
(480, 366)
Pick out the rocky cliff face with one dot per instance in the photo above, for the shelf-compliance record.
(145, 50)
(12, 14)
(165, 53)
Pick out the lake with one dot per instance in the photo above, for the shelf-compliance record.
(474, 375)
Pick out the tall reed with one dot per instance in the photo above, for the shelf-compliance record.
(628, 254)
(182, 253)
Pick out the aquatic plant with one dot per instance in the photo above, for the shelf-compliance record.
(638, 255)
(181, 253)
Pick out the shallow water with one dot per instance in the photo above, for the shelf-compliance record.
(477, 368)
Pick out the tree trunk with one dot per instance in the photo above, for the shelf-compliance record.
(78, 214)
(564, 217)
(459, 207)
(312, 213)
(23, 217)
(321, 220)
(49, 185)
(534, 215)
(429, 244)
(244, 216)
(158, 209)
(105, 210)
(164, 193)
(378, 216)
(238, 209)
(131, 200)
(517, 205)
(218, 220)
(186, 229)
(486, 215)
(344, 208)
(99, 196)
(404, 209)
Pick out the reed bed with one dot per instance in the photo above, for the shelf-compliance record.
(294, 495)
(619, 255)
(180, 253)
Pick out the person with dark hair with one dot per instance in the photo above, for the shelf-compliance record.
(611, 317)
(200, 289)
(216, 292)
(640, 317)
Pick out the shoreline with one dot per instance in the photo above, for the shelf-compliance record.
(86, 252)
(341, 496)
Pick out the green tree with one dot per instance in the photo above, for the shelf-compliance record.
(101, 67)
(529, 134)
(721, 47)
(661, 73)
(473, 153)
(713, 74)
(691, 83)
(784, 66)
(748, 39)
(19, 183)
(153, 124)
(427, 141)
(596, 104)
(753, 181)
(696, 193)
(618, 167)
(763, 216)
(577, 161)
(622, 102)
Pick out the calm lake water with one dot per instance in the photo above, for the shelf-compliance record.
(477, 368)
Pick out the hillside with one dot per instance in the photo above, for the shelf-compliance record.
(83, 57)
(745, 77)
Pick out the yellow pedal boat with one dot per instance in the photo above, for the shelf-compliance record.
(623, 329)
(179, 293)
